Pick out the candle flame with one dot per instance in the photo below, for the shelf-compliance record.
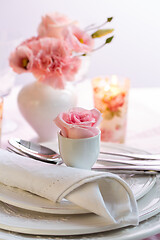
(114, 79)
(107, 87)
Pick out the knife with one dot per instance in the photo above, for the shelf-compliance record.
(127, 167)
(130, 172)
(136, 162)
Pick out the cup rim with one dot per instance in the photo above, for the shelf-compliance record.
(79, 139)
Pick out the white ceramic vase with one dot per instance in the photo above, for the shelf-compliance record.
(40, 104)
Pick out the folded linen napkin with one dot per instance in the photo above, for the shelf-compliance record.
(102, 193)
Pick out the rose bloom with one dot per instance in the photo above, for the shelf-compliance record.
(79, 123)
(60, 26)
(49, 59)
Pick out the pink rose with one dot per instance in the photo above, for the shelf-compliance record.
(79, 123)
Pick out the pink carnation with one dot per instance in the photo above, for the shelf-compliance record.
(79, 123)
(78, 40)
(53, 24)
(49, 59)
(59, 26)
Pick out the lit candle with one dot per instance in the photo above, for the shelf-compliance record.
(111, 98)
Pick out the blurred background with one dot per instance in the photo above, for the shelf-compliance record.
(134, 52)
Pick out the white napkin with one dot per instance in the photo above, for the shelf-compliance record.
(102, 193)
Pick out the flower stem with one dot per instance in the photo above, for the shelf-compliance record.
(92, 27)
(95, 49)
(108, 40)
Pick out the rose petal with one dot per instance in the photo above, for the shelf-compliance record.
(97, 115)
(78, 132)
(59, 124)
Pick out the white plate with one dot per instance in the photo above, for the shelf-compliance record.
(139, 184)
(28, 222)
(19, 198)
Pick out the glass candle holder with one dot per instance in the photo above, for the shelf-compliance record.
(111, 99)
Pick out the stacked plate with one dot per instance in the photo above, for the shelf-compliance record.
(25, 213)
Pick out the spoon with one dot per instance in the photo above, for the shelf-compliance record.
(34, 149)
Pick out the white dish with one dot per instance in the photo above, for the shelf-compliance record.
(28, 222)
(19, 198)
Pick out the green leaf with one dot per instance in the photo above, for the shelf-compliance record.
(108, 40)
(109, 19)
(101, 33)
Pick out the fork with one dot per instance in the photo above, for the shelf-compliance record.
(141, 156)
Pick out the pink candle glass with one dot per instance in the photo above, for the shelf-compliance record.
(111, 99)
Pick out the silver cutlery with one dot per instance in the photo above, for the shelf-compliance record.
(141, 156)
(124, 171)
(34, 150)
(127, 169)
(40, 152)
(51, 161)
(138, 162)
(99, 168)
(14, 150)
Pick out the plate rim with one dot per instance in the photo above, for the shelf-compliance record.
(64, 232)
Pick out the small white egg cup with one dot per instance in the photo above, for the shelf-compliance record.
(79, 153)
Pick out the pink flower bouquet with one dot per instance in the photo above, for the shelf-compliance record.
(79, 138)
(54, 56)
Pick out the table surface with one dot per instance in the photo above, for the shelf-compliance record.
(143, 127)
